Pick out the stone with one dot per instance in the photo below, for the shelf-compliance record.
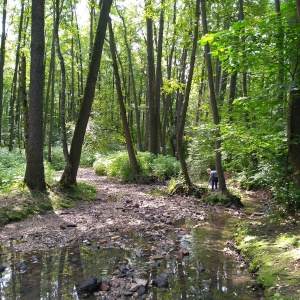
(161, 281)
(104, 287)
(141, 290)
(71, 225)
(140, 281)
(2, 268)
(90, 285)
(21, 266)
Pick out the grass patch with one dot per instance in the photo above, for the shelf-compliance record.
(22, 203)
(272, 249)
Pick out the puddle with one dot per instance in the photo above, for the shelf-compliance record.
(206, 273)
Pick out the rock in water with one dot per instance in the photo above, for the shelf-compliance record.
(90, 285)
(2, 268)
(161, 281)
(21, 266)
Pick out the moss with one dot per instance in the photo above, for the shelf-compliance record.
(273, 253)
(22, 203)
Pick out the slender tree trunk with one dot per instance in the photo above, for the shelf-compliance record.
(13, 95)
(51, 125)
(133, 87)
(69, 175)
(151, 86)
(158, 79)
(131, 153)
(34, 175)
(298, 8)
(2, 59)
(63, 87)
(50, 75)
(23, 100)
(186, 99)
(213, 102)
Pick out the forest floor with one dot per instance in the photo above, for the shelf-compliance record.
(121, 207)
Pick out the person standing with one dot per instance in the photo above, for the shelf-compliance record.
(213, 178)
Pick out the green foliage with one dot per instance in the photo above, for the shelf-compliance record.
(12, 167)
(151, 167)
(58, 162)
(218, 198)
(201, 151)
(57, 158)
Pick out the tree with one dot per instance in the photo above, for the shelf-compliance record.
(2, 58)
(34, 175)
(183, 112)
(131, 153)
(215, 111)
(70, 172)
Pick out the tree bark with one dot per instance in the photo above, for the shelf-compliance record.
(293, 132)
(213, 103)
(131, 153)
(34, 174)
(69, 175)
(2, 59)
(63, 86)
(23, 100)
(13, 95)
(180, 133)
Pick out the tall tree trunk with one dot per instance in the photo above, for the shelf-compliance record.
(298, 8)
(158, 78)
(293, 133)
(2, 59)
(133, 86)
(13, 95)
(280, 41)
(50, 75)
(186, 99)
(153, 134)
(213, 103)
(23, 100)
(69, 175)
(51, 125)
(131, 153)
(34, 174)
(63, 87)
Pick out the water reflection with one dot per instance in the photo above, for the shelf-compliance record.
(207, 273)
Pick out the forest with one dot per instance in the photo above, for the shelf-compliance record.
(149, 91)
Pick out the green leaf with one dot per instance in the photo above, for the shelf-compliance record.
(207, 38)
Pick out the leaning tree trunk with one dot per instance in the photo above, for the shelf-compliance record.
(185, 104)
(69, 175)
(63, 87)
(213, 102)
(131, 153)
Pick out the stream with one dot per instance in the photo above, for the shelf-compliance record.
(204, 271)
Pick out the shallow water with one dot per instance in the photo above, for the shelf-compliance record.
(206, 273)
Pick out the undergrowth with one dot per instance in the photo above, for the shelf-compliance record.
(152, 167)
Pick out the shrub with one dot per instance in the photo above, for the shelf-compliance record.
(164, 167)
(151, 166)
(12, 167)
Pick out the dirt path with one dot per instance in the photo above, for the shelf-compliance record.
(118, 208)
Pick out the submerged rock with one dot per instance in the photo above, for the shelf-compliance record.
(2, 268)
(90, 285)
(161, 281)
(21, 266)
